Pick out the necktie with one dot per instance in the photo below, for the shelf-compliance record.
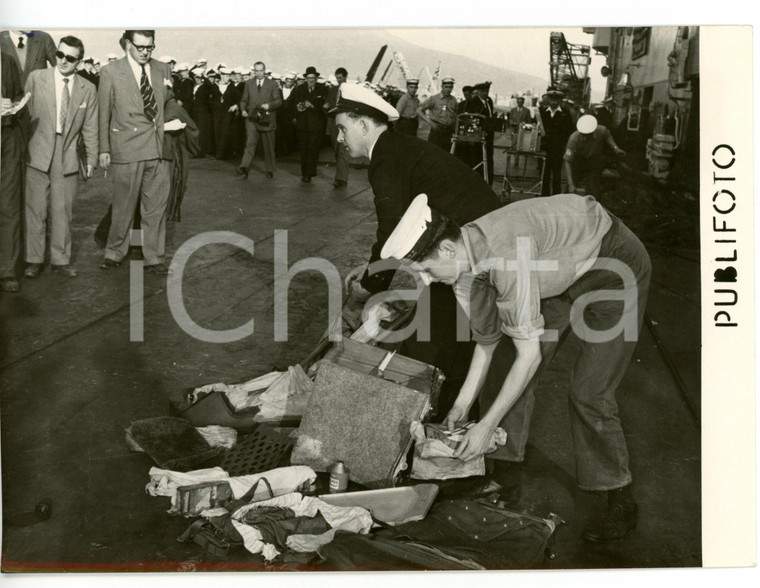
(20, 43)
(149, 100)
(64, 103)
(259, 84)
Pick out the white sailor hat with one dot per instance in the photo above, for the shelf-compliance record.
(276, 76)
(415, 232)
(447, 80)
(586, 124)
(291, 75)
(167, 59)
(201, 60)
(181, 66)
(226, 71)
(360, 100)
(412, 81)
(198, 71)
(111, 56)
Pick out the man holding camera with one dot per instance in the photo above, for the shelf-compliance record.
(261, 98)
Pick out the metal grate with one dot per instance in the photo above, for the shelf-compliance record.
(259, 451)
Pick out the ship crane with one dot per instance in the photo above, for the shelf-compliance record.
(569, 69)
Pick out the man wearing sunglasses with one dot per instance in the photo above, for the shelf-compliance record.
(52, 162)
(133, 94)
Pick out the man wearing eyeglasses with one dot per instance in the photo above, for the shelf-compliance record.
(133, 93)
(440, 112)
(52, 162)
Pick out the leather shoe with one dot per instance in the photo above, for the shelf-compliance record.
(241, 172)
(614, 523)
(65, 270)
(109, 264)
(507, 475)
(306, 179)
(9, 285)
(33, 270)
(270, 175)
(157, 268)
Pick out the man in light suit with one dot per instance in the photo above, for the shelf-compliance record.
(31, 50)
(63, 106)
(518, 116)
(132, 96)
(261, 98)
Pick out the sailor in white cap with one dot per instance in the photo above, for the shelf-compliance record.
(401, 167)
(585, 155)
(517, 270)
(407, 107)
(184, 86)
(440, 113)
(555, 126)
(168, 59)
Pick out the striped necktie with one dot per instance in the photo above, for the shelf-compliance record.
(65, 97)
(149, 100)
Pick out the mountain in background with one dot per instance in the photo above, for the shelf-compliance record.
(327, 49)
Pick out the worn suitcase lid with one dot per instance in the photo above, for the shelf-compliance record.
(361, 420)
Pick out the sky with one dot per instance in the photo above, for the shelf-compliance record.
(495, 46)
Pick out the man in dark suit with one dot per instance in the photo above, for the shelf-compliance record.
(258, 105)
(481, 103)
(226, 111)
(52, 161)
(11, 162)
(309, 102)
(205, 96)
(30, 50)
(132, 96)
(557, 126)
(401, 167)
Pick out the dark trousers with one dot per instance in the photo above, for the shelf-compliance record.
(601, 455)
(552, 180)
(407, 126)
(12, 162)
(441, 137)
(589, 177)
(309, 144)
(224, 134)
(442, 349)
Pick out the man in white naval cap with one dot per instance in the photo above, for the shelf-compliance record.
(516, 270)
(402, 166)
(585, 155)
(440, 112)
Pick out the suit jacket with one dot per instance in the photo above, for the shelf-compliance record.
(558, 129)
(253, 98)
(403, 167)
(516, 119)
(309, 119)
(39, 52)
(183, 91)
(82, 118)
(475, 106)
(125, 132)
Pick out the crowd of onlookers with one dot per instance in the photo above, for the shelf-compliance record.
(141, 119)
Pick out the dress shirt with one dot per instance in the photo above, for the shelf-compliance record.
(286, 93)
(137, 70)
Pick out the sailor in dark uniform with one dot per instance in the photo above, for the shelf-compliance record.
(401, 167)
